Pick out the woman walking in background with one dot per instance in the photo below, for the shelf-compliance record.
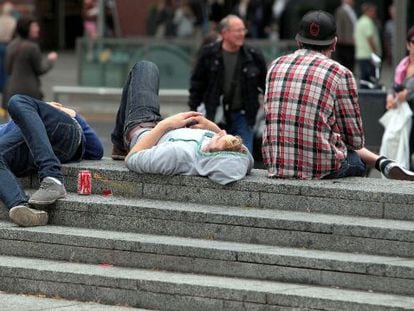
(25, 63)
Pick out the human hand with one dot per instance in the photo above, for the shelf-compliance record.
(179, 120)
(52, 56)
(402, 96)
(391, 102)
(205, 124)
(59, 106)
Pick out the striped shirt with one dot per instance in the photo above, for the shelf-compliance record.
(312, 116)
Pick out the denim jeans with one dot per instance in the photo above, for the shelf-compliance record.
(45, 138)
(239, 126)
(367, 69)
(352, 165)
(139, 102)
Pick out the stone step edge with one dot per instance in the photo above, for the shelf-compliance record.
(23, 302)
(365, 189)
(398, 230)
(375, 265)
(200, 286)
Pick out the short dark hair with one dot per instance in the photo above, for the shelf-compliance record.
(317, 48)
(23, 26)
(410, 34)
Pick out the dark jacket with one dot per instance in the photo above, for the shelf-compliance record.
(24, 65)
(207, 80)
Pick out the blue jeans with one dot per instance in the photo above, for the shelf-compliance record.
(139, 102)
(367, 69)
(352, 165)
(45, 138)
(239, 126)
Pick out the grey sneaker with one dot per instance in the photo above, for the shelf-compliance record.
(392, 170)
(49, 191)
(28, 217)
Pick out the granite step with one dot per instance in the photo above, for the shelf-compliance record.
(179, 291)
(14, 302)
(367, 197)
(339, 269)
(246, 225)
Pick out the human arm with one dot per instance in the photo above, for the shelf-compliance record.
(41, 64)
(151, 139)
(347, 113)
(93, 146)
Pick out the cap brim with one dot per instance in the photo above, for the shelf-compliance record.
(314, 42)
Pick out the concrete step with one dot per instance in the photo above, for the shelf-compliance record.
(13, 302)
(178, 291)
(338, 269)
(246, 225)
(367, 197)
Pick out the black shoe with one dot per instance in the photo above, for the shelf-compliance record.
(118, 154)
(392, 170)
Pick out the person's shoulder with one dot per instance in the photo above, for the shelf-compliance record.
(211, 48)
(252, 49)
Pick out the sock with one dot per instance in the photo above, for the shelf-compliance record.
(54, 179)
(377, 163)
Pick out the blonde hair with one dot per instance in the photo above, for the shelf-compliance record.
(234, 143)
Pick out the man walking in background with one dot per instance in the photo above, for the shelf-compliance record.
(227, 78)
(367, 41)
(345, 21)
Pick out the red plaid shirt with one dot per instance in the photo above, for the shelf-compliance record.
(312, 116)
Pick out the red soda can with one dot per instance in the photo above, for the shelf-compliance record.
(84, 182)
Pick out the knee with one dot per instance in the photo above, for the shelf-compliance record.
(15, 102)
(145, 65)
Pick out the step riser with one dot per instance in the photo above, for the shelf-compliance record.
(291, 199)
(164, 296)
(195, 264)
(230, 232)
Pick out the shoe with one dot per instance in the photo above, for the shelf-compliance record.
(118, 154)
(392, 170)
(49, 191)
(28, 217)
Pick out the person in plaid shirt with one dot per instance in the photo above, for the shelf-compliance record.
(313, 123)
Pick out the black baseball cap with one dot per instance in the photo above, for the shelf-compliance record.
(317, 28)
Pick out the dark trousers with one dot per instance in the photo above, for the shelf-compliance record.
(139, 102)
(345, 55)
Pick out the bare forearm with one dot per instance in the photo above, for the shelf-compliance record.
(149, 140)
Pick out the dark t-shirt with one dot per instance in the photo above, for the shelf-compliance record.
(230, 65)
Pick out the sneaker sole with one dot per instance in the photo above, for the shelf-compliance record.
(24, 217)
(398, 173)
(41, 203)
(118, 157)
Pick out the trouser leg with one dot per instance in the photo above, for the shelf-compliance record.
(51, 135)
(139, 102)
(15, 160)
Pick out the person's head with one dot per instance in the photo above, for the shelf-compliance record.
(317, 31)
(27, 28)
(392, 11)
(7, 8)
(410, 39)
(233, 31)
(349, 2)
(222, 141)
(369, 9)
